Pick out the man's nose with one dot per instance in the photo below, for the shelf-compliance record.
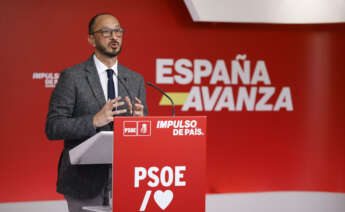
(115, 35)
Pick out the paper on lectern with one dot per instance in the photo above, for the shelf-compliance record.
(96, 150)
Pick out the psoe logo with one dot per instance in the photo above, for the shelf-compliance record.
(137, 128)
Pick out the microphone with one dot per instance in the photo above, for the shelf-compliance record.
(160, 90)
(127, 90)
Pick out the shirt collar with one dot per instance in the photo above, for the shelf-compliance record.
(101, 68)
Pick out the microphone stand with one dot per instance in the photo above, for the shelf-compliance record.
(160, 90)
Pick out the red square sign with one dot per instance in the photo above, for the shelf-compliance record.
(144, 128)
(130, 128)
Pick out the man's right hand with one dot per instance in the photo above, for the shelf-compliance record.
(106, 114)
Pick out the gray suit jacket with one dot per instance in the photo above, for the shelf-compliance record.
(77, 97)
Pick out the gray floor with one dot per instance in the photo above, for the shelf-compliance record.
(243, 202)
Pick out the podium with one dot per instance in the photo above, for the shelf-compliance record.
(158, 163)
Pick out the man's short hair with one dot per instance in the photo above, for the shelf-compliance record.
(93, 19)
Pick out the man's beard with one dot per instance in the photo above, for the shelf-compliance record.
(104, 51)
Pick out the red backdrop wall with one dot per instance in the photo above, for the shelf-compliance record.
(248, 151)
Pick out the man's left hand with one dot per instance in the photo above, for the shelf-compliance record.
(138, 106)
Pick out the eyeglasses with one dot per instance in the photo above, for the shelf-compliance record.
(106, 32)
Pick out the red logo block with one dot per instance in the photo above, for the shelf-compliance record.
(130, 128)
(137, 128)
(144, 128)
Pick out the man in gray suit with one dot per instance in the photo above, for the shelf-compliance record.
(84, 101)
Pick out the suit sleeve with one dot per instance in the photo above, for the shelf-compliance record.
(142, 95)
(60, 123)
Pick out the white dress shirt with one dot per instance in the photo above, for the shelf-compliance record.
(102, 73)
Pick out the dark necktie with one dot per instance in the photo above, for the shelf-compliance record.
(111, 87)
(111, 95)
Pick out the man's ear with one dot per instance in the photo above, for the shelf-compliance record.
(91, 40)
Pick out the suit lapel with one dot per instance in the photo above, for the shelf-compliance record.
(124, 77)
(95, 82)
